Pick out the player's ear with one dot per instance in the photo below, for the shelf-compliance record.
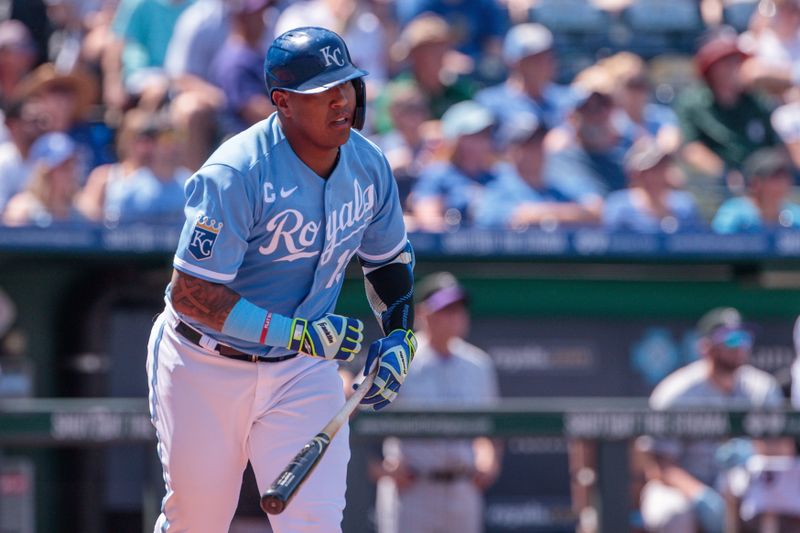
(281, 101)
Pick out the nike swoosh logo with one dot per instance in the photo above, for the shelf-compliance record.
(287, 194)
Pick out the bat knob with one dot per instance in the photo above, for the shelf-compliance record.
(272, 504)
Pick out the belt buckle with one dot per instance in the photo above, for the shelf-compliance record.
(253, 358)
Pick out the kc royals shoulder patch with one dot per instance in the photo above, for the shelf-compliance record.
(204, 236)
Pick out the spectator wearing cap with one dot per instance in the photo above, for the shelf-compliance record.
(448, 192)
(650, 204)
(635, 114)
(63, 102)
(768, 174)
(17, 57)
(238, 68)
(411, 144)
(49, 195)
(433, 485)
(722, 121)
(15, 162)
(521, 196)
(680, 494)
(425, 47)
(529, 88)
(589, 162)
(478, 26)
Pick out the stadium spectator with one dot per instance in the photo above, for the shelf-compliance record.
(478, 26)
(722, 122)
(66, 17)
(49, 196)
(436, 485)
(778, 41)
(63, 103)
(15, 165)
(135, 144)
(410, 145)
(33, 14)
(154, 192)
(448, 192)
(590, 160)
(134, 63)
(768, 174)
(354, 21)
(528, 53)
(426, 46)
(238, 68)
(680, 494)
(521, 196)
(650, 204)
(17, 56)
(635, 115)
(199, 33)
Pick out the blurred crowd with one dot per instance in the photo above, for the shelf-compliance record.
(635, 115)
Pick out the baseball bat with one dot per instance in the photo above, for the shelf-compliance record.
(289, 481)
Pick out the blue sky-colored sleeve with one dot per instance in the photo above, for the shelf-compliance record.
(430, 182)
(219, 218)
(729, 218)
(385, 237)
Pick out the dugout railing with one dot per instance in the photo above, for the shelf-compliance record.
(609, 422)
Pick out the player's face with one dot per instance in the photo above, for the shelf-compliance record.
(449, 322)
(730, 349)
(322, 120)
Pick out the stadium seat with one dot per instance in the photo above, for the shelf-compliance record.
(660, 26)
(570, 16)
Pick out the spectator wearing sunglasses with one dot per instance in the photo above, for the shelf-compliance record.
(682, 491)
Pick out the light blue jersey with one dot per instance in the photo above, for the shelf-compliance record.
(261, 222)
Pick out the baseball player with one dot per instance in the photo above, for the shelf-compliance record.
(241, 362)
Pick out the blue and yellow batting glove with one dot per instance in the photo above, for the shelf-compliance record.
(393, 355)
(331, 337)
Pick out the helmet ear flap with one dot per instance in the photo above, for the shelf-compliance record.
(360, 113)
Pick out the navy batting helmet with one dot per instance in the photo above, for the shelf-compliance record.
(311, 60)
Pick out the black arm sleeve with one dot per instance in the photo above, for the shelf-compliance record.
(390, 291)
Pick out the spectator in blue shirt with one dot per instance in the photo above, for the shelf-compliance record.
(528, 53)
(447, 192)
(590, 162)
(407, 146)
(238, 68)
(520, 197)
(650, 204)
(768, 174)
(636, 115)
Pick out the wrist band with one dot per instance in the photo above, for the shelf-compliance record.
(249, 322)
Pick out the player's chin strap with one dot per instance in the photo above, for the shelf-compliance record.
(390, 290)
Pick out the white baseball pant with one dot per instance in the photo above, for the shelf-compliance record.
(212, 414)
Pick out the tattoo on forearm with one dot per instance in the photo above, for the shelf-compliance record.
(208, 303)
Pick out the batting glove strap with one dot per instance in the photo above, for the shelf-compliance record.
(331, 337)
(393, 355)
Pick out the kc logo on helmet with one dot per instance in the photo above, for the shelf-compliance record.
(204, 235)
(334, 56)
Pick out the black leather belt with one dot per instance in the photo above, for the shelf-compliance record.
(194, 336)
(446, 476)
